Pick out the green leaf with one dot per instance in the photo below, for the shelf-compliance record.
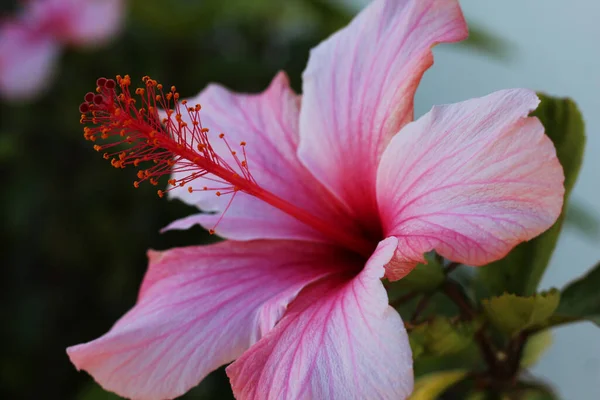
(424, 277)
(521, 270)
(582, 218)
(477, 396)
(536, 394)
(525, 390)
(429, 364)
(95, 392)
(511, 313)
(440, 337)
(580, 300)
(484, 41)
(535, 348)
(430, 386)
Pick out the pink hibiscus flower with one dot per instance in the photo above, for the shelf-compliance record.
(325, 195)
(31, 42)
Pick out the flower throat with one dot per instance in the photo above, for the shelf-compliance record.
(137, 136)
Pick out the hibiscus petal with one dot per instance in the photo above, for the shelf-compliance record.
(358, 91)
(93, 22)
(338, 340)
(26, 62)
(470, 180)
(239, 224)
(199, 308)
(268, 123)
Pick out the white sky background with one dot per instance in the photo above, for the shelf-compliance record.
(556, 50)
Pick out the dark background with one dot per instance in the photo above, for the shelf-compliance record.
(74, 230)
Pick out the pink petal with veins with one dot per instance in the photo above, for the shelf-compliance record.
(358, 91)
(470, 180)
(268, 123)
(199, 308)
(338, 340)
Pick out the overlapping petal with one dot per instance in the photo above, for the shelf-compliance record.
(338, 340)
(199, 308)
(358, 91)
(268, 123)
(470, 180)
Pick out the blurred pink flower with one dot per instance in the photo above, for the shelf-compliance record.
(31, 42)
(344, 190)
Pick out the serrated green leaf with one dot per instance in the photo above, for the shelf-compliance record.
(440, 336)
(431, 386)
(521, 270)
(511, 313)
(535, 348)
(580, 300)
